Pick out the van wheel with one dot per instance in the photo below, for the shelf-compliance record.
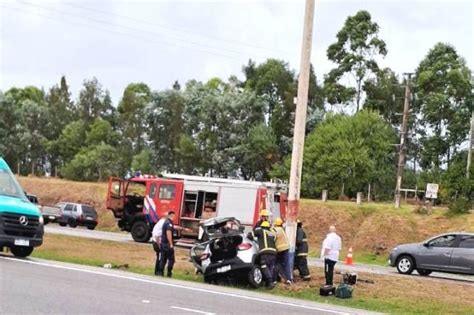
(255, 277)
(90, 227)
(423, 272)
(62, 224)
(21, 251)
(72, 223)
(405, 264)
(140, 232)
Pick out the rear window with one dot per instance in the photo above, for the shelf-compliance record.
(467, 241)
(88, 210)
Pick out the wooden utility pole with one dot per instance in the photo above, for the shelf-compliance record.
(469, 148)
(299, 130)
(403, 138)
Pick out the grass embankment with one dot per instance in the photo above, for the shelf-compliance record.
(371, 229)
(395, 295)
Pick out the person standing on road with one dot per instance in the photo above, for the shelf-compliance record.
(267, 249)
(156, 239)
(264, 215)
(282, 247)
(167, 245)
(330, 252)
(301, 253)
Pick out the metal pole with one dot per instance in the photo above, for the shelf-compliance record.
(402, 148)
(299, 130)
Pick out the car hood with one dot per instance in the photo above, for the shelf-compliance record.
(407, 247)
(17, 205)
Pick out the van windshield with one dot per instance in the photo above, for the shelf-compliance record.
(9, 186)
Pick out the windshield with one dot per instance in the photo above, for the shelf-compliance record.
(9, 186)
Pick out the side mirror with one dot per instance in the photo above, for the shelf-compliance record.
(426, 244)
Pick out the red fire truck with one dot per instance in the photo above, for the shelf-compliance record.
(139, 202)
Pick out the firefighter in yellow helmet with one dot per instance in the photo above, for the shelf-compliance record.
(264, 217)
(265, 238)
(282, 266)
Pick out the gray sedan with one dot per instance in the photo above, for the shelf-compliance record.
(450, 252)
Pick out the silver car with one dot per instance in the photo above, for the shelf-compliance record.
(450, 252)
(226, 252)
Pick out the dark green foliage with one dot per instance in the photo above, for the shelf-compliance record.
(354, 53)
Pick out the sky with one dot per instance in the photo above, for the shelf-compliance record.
(158, 42)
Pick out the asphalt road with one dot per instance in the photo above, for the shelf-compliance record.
(34, 286)
(126, 238)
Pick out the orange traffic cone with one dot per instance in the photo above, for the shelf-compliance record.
(349, 257)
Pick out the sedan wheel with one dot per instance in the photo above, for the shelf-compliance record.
(405, 265)
(255, 277)
(423, 272)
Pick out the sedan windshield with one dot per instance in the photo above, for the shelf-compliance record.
(9, 186)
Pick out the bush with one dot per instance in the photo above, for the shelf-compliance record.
(459, 206)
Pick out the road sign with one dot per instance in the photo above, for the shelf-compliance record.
(432, 191)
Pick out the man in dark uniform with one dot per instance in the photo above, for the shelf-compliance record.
(167, 245)
(301, 253)
(267, 249)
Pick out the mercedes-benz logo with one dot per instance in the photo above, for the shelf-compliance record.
(23, 220)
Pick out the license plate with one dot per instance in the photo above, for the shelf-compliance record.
(19, 242)
(89, 218)
(51, 217)
(223, 269)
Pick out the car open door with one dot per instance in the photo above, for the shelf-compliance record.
(436, 253)
(116, 196)
(462, 258)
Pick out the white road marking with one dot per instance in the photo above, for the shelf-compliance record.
(191, 310)
(234, 295)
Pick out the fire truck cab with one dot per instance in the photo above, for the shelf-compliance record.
(139, 202)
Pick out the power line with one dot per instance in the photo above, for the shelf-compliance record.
(99, 21)
(134, 36)
(176, 29)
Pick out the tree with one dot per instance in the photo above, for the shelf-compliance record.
(444, 103)
(385, 94)
(94, 102)
(257, 153)
(10, 129)
(72, 139)
(94, 163)
(275, 83)
(60, 111)
(165, 121)
(354, 53)
(143, 162)
(101, 132)
(131, 111)
(353, 151)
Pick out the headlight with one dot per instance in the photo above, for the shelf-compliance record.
(396, 248)
(41, 219)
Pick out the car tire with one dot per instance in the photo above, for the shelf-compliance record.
(405, 264)
(62, 224)
(21, 251)
(140, 232)
(90, 227)
(72, 223)
(423, 272)
(255, 277)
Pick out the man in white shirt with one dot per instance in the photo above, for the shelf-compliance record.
(330, 253)
(156, 240)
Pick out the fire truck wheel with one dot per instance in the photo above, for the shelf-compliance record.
(140, 232)
(255, 277)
